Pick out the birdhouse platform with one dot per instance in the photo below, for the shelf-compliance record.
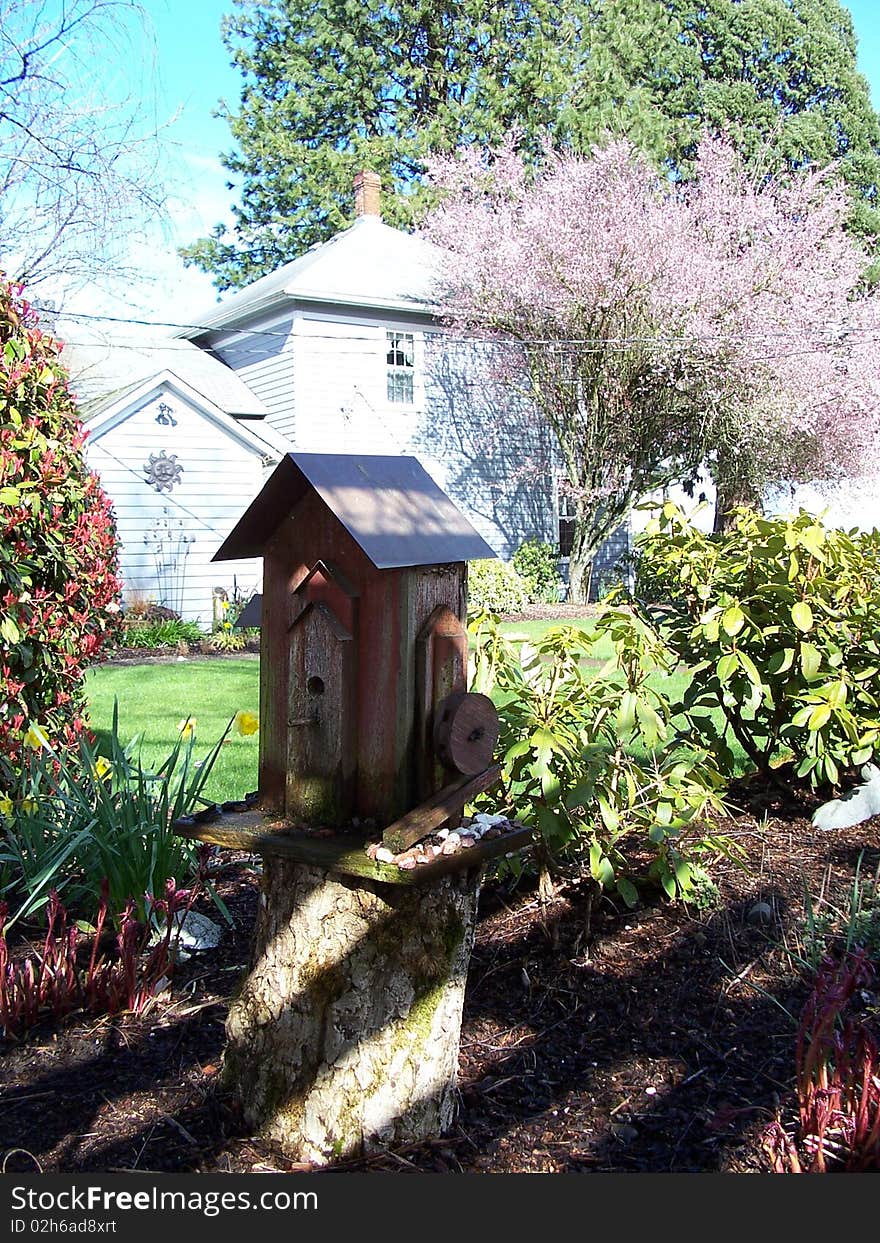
(349, 854)
(345, 1033)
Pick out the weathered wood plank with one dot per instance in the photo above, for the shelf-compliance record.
(343, 853)
(441, 670)
(321, 757)
(436, 811)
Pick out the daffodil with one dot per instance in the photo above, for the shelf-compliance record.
(187, 727)
(29, 806)
(35, 738)
(6, 805)
(102, 767)
(246, 723)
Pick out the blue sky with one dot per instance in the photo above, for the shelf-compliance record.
(191, 73)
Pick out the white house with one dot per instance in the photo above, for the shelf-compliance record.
(343, 348)
(182, 447)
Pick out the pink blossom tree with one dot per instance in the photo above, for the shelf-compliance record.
(658, 327)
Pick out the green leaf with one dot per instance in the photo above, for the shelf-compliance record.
(820, 716)
(683, 873)
(550, 787)
(811, 660)
(733, 620)
(610, 818)
(727, 666)
(628, 892)
(837, 693)
(545, 743)
(781, 661)
(605, 873)
(9, 496)
(813, 539)
(750, 668)
(519, 748)
(9, 630)
(664, 814)
(802, 615)
(626, 716)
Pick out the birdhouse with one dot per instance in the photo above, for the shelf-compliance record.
(364, 711)
(345, 1032)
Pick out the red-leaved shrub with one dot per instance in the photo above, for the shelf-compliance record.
(58, 550)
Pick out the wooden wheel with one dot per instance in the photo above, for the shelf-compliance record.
(466, 732)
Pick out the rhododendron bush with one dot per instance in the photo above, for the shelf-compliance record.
(656, 326)
(58, 549)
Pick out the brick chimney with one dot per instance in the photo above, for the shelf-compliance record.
(367, 193)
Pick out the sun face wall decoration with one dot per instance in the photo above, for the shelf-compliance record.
(163, 472)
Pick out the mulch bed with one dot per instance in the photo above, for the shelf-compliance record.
(595, 1039)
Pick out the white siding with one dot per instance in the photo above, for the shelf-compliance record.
(341, 399)
(168, 538)
(323, 375)
(262, 356)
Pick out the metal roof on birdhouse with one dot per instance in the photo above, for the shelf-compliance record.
(390, 506)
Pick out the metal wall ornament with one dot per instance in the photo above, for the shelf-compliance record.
(169, 541)
(166, 415)
(163, 472)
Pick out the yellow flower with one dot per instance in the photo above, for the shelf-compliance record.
(6, 805)
(35, 738)
(103, 767)
(29, 806)
(187, 727)
(246, 723)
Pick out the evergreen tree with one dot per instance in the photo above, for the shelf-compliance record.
(332, 86)
(338, 85)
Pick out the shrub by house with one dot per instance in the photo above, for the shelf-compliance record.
(58, 550)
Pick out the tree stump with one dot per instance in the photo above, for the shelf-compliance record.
(345, 1035)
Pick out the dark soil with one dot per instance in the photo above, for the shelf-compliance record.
(185, 651)
(594, 1039)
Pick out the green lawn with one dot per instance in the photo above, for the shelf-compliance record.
(154, 699)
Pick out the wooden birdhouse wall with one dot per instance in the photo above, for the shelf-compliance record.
(333, 620)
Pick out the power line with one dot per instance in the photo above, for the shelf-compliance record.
(832, 328)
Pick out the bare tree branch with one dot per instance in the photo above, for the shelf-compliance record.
(80, 161)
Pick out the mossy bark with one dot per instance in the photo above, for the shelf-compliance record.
(345, 1035)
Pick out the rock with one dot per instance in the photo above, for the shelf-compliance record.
(760, 913)
(194, 934)
(449, 847)
(407, 864)
(855, 806)
(384, 855)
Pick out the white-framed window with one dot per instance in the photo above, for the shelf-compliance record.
(401, 363)
(565, 509)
